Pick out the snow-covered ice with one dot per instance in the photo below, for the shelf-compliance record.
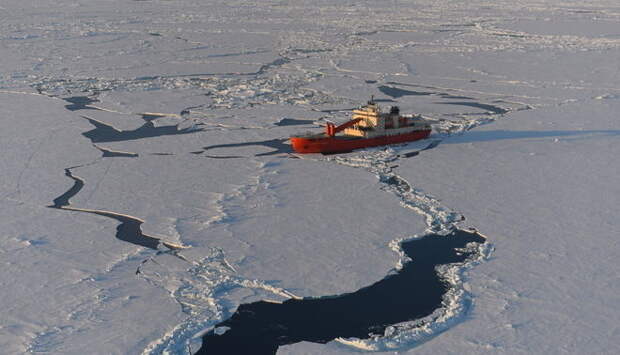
(176, 114)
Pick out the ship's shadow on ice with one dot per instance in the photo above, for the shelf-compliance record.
(277, 146)
(104, 132)
(293, 122)
(495, 135)
(397, 92)
(487, 107)
(413, 292)
(80, 103)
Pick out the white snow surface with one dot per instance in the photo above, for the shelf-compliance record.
(525, 94)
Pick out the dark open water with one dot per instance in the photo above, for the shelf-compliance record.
(413, 292)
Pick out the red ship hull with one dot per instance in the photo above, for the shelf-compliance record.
(340, 144)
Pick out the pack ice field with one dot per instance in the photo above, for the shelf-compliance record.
(151, 201)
